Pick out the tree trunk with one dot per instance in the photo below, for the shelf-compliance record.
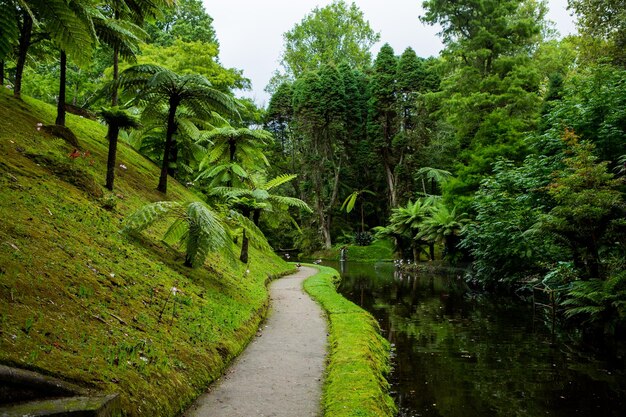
(391, 185)
(171, 129)
(26, 31)
(60, 120)
(112, 135)
(256, 217)
(431, 250)
(593, 259)
(325, 229)
(416, 255)
(245, 242)
(1, 73)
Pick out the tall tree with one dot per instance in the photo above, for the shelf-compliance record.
(187, 21)
(156, 87)
(382, 118)
(491, 94)
(319, 105)
(606, 20)
(328, 35)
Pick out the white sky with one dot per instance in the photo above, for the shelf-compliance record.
(250, 32)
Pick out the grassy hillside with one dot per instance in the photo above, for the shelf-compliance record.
(81, 302)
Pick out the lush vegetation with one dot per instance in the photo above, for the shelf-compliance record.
(358, 357)
(82, 301)
(505, 152)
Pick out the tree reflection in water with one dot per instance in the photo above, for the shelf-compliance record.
(459, 353)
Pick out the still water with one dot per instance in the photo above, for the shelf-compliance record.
(459, 354)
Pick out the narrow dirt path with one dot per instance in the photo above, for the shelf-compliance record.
(280, 372)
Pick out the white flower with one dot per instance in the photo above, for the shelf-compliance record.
(174, 290)
(123, 166)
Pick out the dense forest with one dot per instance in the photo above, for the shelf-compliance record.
(507, 151)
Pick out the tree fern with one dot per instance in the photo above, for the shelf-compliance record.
(148, 214)
(256, 236)
(66, 28)
(598, 301)
(206, 234)
(195, 226)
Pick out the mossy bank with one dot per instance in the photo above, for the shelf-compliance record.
(358, 357)
(379, 250)
(83, 303)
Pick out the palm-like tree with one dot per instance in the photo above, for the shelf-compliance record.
(443, 226)
(116, 119)
(159, 88)
(405, 224)
(434, 176)
(58, 19)
(253, 200)
(122, 30)
(233, 153)
(196, 227)
(350, 202)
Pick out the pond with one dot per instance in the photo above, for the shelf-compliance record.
(458, 353)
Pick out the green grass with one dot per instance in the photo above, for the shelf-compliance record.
(83, 303)
(379, 250)
(358, 358)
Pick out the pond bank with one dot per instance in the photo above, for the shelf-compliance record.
(358, 358)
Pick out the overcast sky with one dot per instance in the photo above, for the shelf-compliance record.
(250, 32)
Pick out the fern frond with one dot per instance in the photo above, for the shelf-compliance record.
(9, 32)
(147, 215)
(206, 233)
(279, 180)
(291, 202)
(66, 28)
(177, 231)
(256, 236)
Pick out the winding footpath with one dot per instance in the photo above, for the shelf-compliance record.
(280, 372)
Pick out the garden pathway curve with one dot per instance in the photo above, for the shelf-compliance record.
(280, 373)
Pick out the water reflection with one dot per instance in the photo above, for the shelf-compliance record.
(464, 354)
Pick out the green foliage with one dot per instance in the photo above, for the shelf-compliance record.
(63, 247)
(604, 19)
(503, 240)
(599, 303)
(358, 358)
(188, 21)
(443, 226)
(328, 35)
(195, 226)
(587, 198)
(594, 106)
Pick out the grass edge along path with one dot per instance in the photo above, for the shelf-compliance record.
(358, 356)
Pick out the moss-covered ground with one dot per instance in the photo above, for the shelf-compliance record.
(83, 303)
(358, 356)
